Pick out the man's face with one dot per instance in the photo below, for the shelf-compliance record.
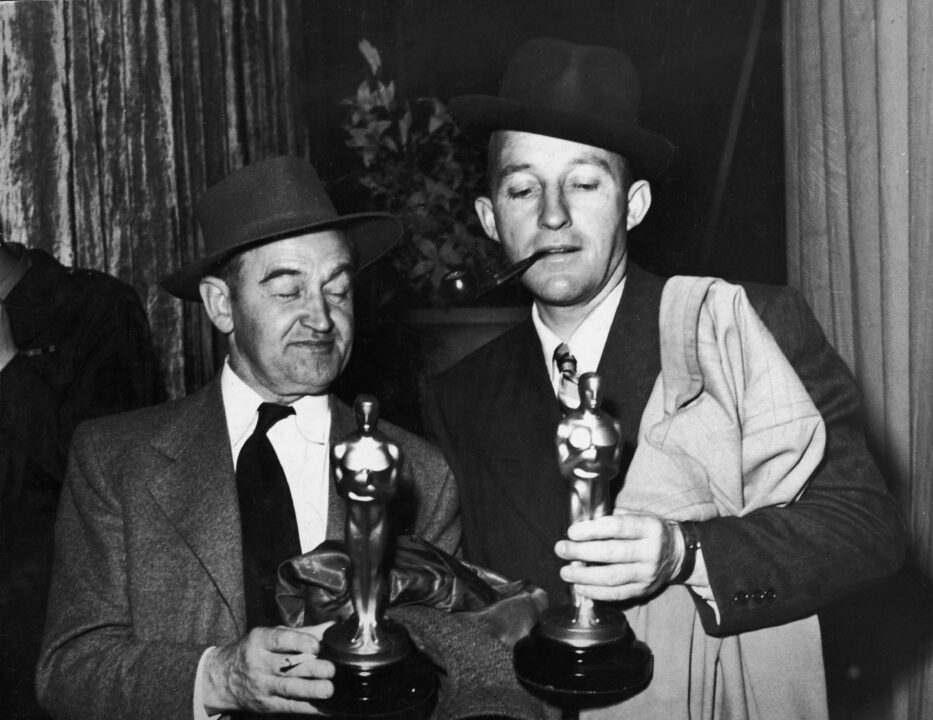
(290, 320)
(551, 193)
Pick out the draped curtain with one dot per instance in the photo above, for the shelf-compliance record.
(859, 151)
(114, 117)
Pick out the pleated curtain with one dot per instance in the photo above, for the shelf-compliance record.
(116, 115)
(859, 152)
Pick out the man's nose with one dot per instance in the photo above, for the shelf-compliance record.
(554, 213)
(317, 313)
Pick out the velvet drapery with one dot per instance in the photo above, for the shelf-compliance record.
(114, 117)
(859, 151)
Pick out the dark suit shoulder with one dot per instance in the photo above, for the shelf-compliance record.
(484, 364)
(788, 316)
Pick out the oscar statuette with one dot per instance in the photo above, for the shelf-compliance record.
(379, 671)
(585, 655)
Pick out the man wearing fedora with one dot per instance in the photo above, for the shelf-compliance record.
(173, 519)
(569, 169)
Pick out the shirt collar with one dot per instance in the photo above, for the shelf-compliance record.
(241, 403)
(588, 340)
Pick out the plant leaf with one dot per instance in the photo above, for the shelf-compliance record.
(371, 55)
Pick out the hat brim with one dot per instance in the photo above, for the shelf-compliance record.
(371, 234)
(478, 116)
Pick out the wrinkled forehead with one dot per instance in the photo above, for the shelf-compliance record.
(513, 151)
(321, 251)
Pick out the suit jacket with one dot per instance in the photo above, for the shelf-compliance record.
(84, 351)
(495, 416)
(148, 558)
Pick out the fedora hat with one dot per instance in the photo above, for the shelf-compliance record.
(584, 93)
(272, 200)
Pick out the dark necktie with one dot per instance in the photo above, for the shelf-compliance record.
(267, 516)
(568, 394)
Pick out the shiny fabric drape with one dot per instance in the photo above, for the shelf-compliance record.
(859, 150)
(114, 117)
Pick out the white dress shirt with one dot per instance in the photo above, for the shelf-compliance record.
(301, 442)
(587, 344)
(588, 340)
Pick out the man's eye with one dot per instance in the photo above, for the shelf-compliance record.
(519, 192)
(338, 292)
(285, 290)
(588, 185)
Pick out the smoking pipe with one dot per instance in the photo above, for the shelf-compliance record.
(462, 286)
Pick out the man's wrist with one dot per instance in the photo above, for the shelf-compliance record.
(691, 544)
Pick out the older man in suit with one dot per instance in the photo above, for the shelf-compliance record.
(569, 170)
(173, 518)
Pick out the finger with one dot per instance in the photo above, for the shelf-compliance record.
(316, 631)
(288, 640)
(304, 666)
(303, 689)
(606, 575)
(604, 551)
(619, 592)
(297, 696)
(624, 526)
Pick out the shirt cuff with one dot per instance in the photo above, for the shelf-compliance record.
(199, 711)
(699, 583)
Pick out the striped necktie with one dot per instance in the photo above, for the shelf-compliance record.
(568, 394)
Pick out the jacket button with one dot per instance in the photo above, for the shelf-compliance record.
(758, 595)
(740, 597)
(770, 594)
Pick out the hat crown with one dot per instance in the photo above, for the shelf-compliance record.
(271, 200)
(589, 79)
(267, 198)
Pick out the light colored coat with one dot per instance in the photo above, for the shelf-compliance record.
(729, 429)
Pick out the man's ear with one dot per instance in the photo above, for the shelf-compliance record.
(487, 218)
(215, 294)
(639, 200)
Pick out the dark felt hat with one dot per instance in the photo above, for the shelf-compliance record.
(584, 93)
(272, 200)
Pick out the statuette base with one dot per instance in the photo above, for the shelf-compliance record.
(584, 675)
(401, 688)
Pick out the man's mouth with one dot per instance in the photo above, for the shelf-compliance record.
(315, 345)
(557, 251)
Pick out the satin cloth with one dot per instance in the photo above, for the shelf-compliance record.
(465, 618)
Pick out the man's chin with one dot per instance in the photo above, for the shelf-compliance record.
(557, 295)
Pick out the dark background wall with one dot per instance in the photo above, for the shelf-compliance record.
(690, 56)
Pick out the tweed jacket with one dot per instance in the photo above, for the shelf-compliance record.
(494, 414)
(148, 559)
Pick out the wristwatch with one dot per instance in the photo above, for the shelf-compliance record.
(691, 545)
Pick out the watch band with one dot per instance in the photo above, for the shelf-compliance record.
(691, 545)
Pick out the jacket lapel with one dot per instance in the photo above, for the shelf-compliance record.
(197, 491)
(631, 360)
(525, 413)
(342, 423)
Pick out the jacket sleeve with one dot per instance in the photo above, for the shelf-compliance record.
(93, 664)
(843, 534)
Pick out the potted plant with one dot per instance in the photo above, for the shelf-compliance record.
(413, 162)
